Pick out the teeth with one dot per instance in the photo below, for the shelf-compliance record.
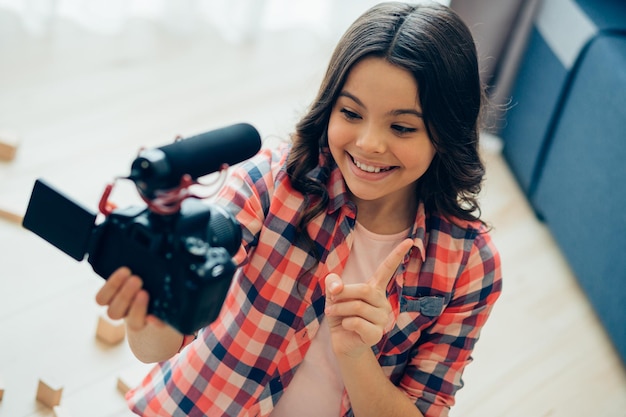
(368, 168)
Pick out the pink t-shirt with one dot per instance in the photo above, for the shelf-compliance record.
(317, 387)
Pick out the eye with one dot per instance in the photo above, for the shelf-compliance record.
(349, 114)
(403, 130)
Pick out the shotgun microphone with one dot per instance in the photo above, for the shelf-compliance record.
(162, 168)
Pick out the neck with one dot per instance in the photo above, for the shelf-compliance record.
(384, 218)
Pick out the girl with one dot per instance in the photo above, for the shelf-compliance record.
(365, 272)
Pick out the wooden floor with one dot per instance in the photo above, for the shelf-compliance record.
(83, 105)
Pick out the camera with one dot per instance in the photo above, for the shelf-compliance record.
(180, 246)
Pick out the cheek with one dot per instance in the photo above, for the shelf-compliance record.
(332, 133)
(338, 134)
(417, 158)
(428, 155)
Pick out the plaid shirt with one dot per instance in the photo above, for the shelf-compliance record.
(441, 297)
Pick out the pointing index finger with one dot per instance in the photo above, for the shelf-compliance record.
(385, 271)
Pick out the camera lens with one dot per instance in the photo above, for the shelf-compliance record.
(224, 230)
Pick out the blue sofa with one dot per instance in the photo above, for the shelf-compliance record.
(565, 141)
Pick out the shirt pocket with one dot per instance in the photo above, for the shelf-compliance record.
(427, 306)
(416, 314)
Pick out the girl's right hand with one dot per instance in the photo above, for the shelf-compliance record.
(149, 338)
(125, 298)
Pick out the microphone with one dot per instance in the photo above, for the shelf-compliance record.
(163, 168)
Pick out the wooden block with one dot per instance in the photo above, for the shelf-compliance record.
(123, 384)
(1, 389)
(110, 331)
(9, 143)
(49, 392)
(131, 378)
(60, 411)
(10, 216)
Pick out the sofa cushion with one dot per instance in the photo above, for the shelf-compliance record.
(582, 189)
(562, 31)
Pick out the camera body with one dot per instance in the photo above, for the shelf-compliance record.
(182, 258)
(182, 249)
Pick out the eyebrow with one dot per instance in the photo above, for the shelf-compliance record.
(395, 112)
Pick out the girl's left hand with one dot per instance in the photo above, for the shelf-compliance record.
(358, 313)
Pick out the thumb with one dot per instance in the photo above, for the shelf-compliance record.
(334, 285)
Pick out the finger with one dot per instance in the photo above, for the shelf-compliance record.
(363, 292)
(334, 285)
(112, 286)
(120, 304)
(136, 318)
(369, 333)
(154, 320)
(360, 309)
(385, 271)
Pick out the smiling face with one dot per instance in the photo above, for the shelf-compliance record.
(377, 136)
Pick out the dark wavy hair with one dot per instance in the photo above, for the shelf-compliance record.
(432, 43)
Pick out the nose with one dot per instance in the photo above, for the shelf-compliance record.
(371, 141)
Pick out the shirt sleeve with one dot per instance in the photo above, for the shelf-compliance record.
(247, 195)
(442, 352)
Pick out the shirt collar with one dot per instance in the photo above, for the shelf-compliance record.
(337, 191)
(418, 232)
(338, 197)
